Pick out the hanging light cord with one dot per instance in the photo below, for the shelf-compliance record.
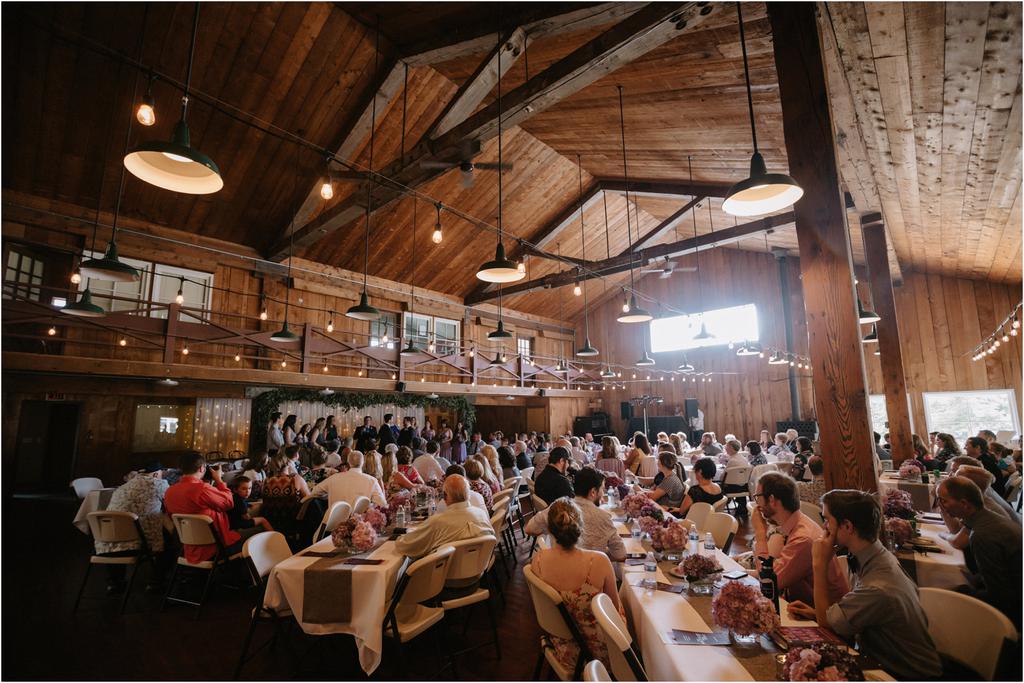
(372, 180)
(625, 176)
(291, 244)
(405, 103)
(128, 133)
(583, 247)
(191, 56)
(500, 42)
(746, 75)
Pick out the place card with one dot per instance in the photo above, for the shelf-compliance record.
(676, 588)
(324, 553)
(680, 637)
(635, 562)
(362, 561)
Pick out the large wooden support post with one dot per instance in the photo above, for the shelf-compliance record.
(893, 377)
(840, 396)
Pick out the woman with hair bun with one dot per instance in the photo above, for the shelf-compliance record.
(578, 575)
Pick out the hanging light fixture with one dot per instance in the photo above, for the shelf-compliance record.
(76, 277)
(762, 192)
(587, 350)
(631, 312)
(179, 298)
(703, 333)
(872, 336)
(363, 310)
(748, 349)
(437, 236)
(607, 373)
(84, 307)
(685, 366)
(284, 334)
(501, 269)
(330, 323)
(327, 188)
(145, 113)
(410, 348)
(560, 368)
(175, 165)
(866, 316)
(645, 360)
(52, 331)
(776, 359)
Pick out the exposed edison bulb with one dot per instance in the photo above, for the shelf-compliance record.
(237, 358)
(184, 351)
(577, 290)
(263, 314)
(330, 326)
(1016, 324)
(634, 375)
(52, 331)
(521, 267)
(625, 306)
(145, 114)
(384, 339)
(423, 379)
(1006, 337)
(761, 354)
(325, 368)
(1013, 332)
(123, 342)
(394, 376)
(179, 298)
(449, 381)
(327, 189)
(359, 374)
(472, 353)
(284, 364)
(731, 345)
(431, 347)
(997, 343)
(437, 236)
(76, 278)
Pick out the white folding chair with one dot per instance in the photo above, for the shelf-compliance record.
(83, 485)
(737, 476)
(756, 473)
(264, 551)
(197, 530)
(554, 619)
(812, 510)
(339, 512)
(468, 566)
(698, 514)
(595, 671)
(723, 528)
(422, 581)
(115, 527)
(625, 663)
(361, 505)
(527, 474)
(966, 630)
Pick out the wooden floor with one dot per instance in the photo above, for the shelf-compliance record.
(46, 558)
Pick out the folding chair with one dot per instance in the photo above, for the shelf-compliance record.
(116, 527)
(197, 530)
(555, 620)
(264, 551)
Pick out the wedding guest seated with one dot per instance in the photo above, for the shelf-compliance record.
(812, 491)
(641, 448)
(292, 453)
(404, 456)
(192, 496)
(540, 459)
(735, 457)
(800, 460)
(671, 489)
(458, 522)
(882, 611)
(143, 495)
(390, 477)
(256, 470)
(474, 475)
(238, 515)
(599, 532)
(332, 458)
(706, 491)
(373, 465)
(994, 542)
(708, 446)
(578, 575)
(579, 454)
(977, 448)
(608, 459)
(755, 456)
(427, 466)
(522, 455)
(982, 478)
(948, 449)
(475, 499)
(779, 450)
(507, 460)
(319, 469)
(488, 459)
(551, 483)
(282, 492)
(777, 504)
(349, 485)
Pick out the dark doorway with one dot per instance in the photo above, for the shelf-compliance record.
(46, 447)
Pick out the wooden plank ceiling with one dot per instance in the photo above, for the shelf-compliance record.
(927, 101)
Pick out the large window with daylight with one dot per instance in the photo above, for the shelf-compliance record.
(524, 346)
(23, 277)
(383, 329)
(157, 282)
(424, 329)
(963, 413)
(734, 324)
(880, 414)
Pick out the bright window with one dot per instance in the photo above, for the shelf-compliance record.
(23, 277)
(963, 413)
(880, 414)
(196, 288)
(157, 282)
(734, 324)
(524, 346)
(384, 327)
(423, 329)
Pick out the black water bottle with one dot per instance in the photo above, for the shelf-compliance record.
(769, 581)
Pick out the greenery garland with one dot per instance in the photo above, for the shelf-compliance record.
(267, 403)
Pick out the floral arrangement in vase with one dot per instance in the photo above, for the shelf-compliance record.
(649, 525)
(743, 610)
(612, 481)
(673, 535)
(898, 504)
(397, 501)
(354, 534)
(633, 503)
(821, 662)
(900, 530)
(699, 567)
(911, 469)
(652, 510)
(377, 518)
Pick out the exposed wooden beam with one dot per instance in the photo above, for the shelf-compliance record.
(621, 263)
(631, 38)
(826, 262)
(665, 226)
(475, 89)
(664, 188)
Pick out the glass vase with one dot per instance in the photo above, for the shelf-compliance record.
(740, 639)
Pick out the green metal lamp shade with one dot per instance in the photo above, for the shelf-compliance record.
(747, 349)
(872, 336)
(84, 307)
(409, 349)
(363, 310)
(607, 373)
(500, 270)
(685, 366)
(284, 334)
(777, 359)
(635, 314)
(561, 367)
(175, 165)
(762, 192)
(587, 350)
(499, 333)
(108, 268)
(645, 360)
(703, 333)
(866, 316)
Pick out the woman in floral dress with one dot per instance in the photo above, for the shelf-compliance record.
(444, 438)
(578, 575)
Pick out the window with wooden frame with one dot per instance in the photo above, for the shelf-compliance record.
(444, 333)
(524, 346)
(382, 330)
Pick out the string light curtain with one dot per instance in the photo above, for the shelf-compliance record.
(346, 422)
(222, 424)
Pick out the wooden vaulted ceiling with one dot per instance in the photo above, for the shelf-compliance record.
(941, 161)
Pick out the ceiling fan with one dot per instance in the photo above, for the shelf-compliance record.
(667, 268)
(465, 163)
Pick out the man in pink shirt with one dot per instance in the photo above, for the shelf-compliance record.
(192, 496)
(778, 503)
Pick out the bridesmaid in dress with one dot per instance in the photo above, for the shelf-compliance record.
(459, 439)
(427, 433)
(444, 437)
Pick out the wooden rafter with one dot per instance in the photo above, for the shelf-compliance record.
(666, 226)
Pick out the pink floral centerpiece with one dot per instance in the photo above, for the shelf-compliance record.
(820, 662)
(633, 503)
(743, 610)
(377, 517)
(898, 504)
(612, 481)
(673, 535)
(900, 530)
(699, 567)
(354, 534)
(911, 469)
(649, 525)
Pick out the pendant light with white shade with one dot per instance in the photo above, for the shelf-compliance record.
(588, 349)
(631, 311)
(703, 333)
(175, 165)
(762, 192)
(363, 310)
(410, 348)
(501, 269)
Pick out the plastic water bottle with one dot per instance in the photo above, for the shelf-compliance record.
(650, 572)
(709, 542)
(400, 517)
(694, 540)
(635, 530)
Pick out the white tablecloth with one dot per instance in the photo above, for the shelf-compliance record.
(94, 501)
(939, 570)
(372, 586)
(923, 495)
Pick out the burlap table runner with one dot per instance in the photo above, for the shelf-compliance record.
(327, 586)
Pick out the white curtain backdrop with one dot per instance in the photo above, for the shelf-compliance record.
(222, 424)
(309, 411)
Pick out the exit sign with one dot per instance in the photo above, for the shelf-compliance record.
(55, 396)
